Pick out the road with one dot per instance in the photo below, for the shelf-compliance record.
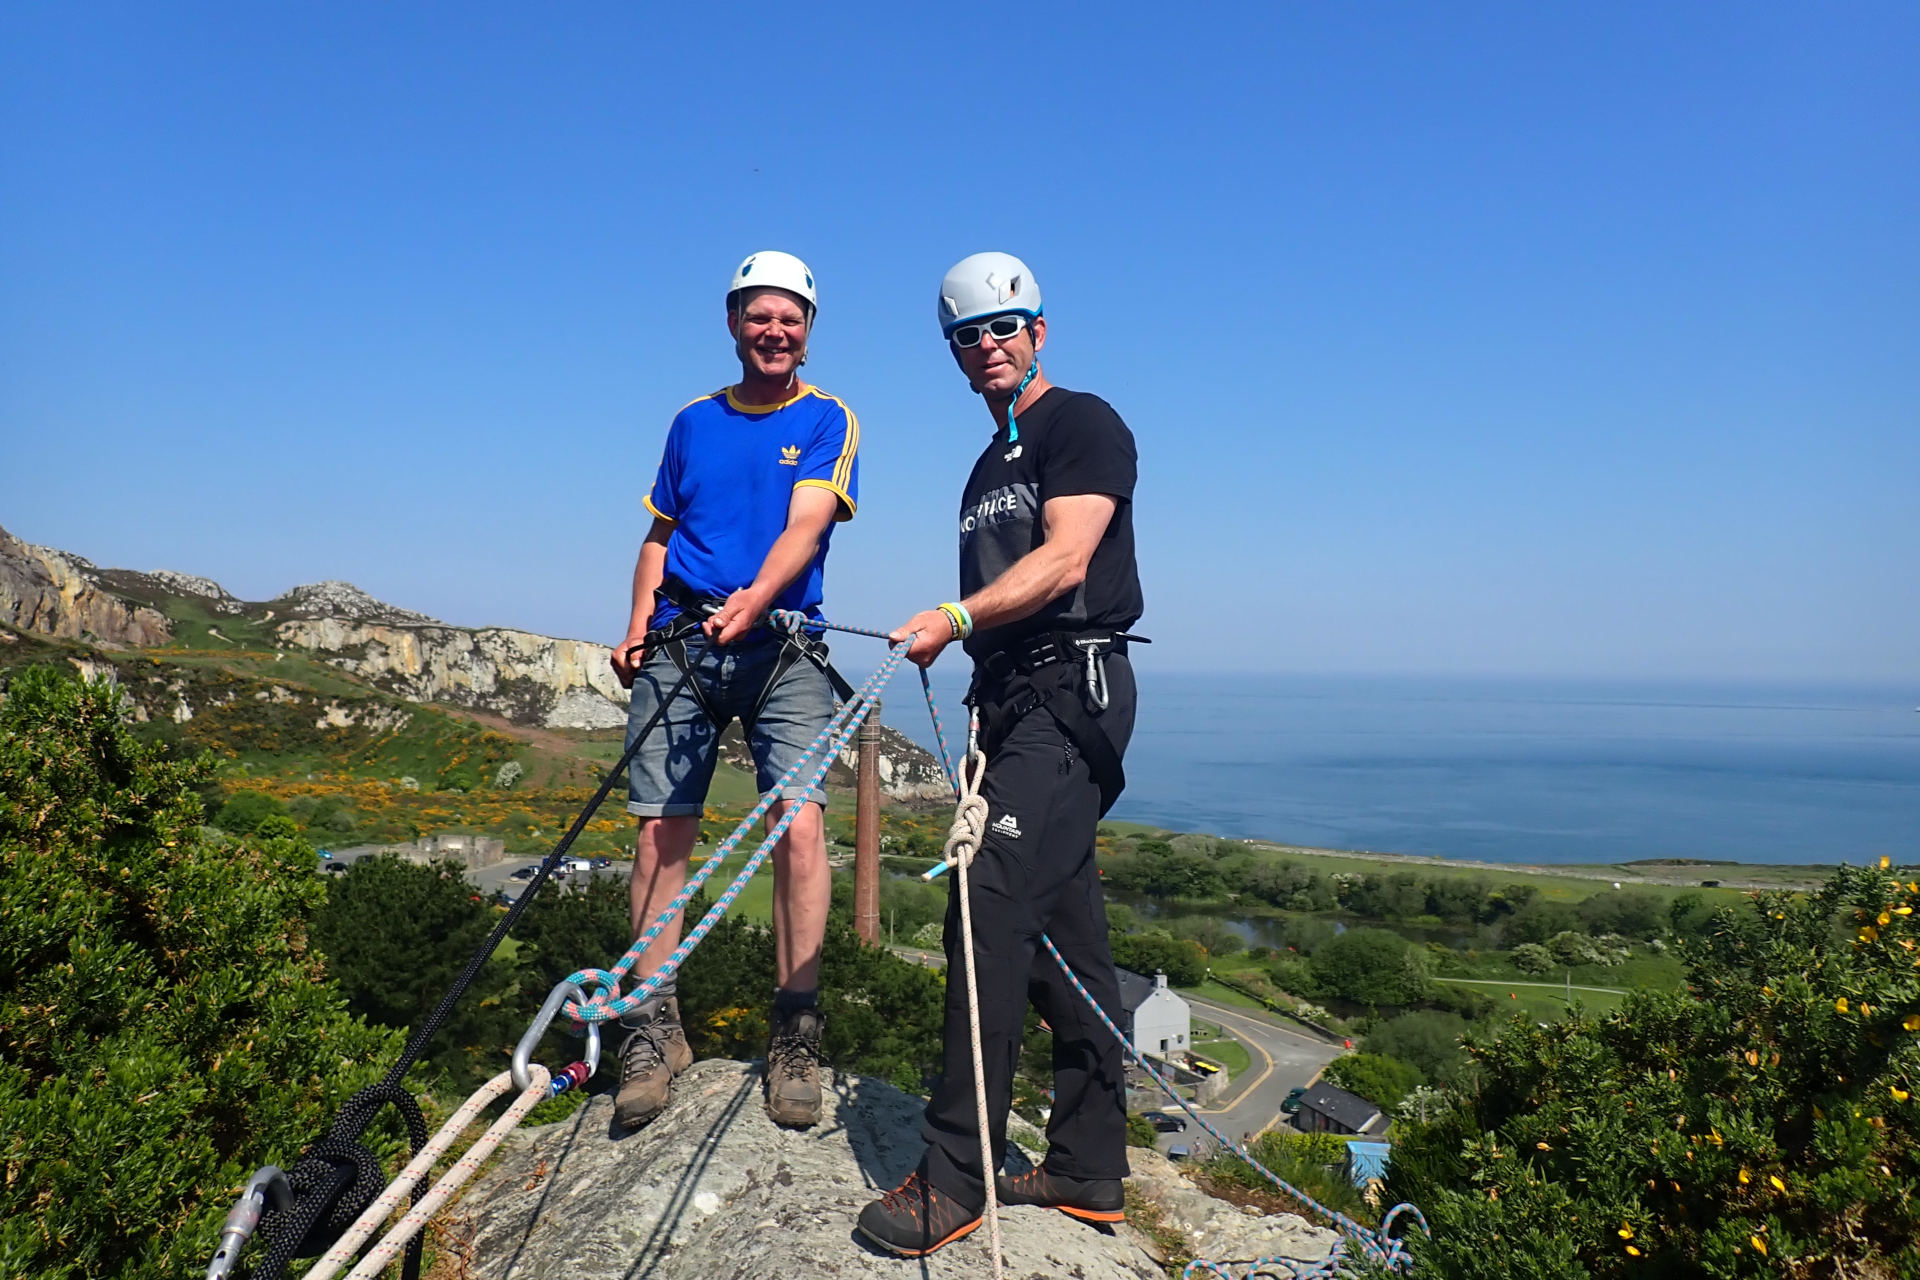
(1283, 1059)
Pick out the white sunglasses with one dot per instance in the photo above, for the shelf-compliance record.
(1001, 327)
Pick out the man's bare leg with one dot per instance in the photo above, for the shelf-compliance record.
(659, 872)
(653, 1048)
(802, 893)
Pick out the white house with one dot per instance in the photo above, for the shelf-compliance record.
(1158, 1021)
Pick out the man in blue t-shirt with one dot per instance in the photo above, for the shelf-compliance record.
(751, 483)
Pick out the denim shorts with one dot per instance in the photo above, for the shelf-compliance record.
(671, 771)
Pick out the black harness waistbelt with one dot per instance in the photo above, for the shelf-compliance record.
(1040, 671)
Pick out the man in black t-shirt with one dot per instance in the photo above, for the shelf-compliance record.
(1048, 588)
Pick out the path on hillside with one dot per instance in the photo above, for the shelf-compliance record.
(1554, 986)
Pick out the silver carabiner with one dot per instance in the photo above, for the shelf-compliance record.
(1096, 671)
(268, 1185)
(523, 1052)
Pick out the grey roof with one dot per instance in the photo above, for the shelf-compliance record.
(1346, 1109)
(1134, 989)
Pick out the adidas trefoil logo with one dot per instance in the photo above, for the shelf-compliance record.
(790, 455)
(1008, 826)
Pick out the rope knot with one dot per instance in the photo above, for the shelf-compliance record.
(969, 826)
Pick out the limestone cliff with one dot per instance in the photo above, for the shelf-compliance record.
(712, 1190)
(56, 594)
(529, 679)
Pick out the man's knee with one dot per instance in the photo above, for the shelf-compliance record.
(806, 836)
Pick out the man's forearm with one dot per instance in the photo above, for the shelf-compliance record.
(648, 572)
(786, 560)
(1034, 581)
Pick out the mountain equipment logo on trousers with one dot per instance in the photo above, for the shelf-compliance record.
(1008, 826)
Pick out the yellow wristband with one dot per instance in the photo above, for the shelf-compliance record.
(961, 620)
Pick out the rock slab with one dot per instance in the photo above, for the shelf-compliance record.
(713, 1190)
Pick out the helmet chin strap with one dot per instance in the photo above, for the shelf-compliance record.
(1013, 428)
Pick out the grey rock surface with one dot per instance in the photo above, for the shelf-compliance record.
(1219, 1231)
(712, 1190)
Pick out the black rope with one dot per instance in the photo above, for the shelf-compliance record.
(337, 1177)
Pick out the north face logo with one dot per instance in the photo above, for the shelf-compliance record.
(1008, 826)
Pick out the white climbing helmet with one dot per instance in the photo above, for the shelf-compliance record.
(771, 269)
(987, 284)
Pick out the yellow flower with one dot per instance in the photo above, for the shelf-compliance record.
(1626, 1231)
(1759, 1244)
(1885, 862)
(1883, 919)
(1899, 1094)
(1713, 1136)
(1913, 1022)
(1745, 1177)
(1903, 911)
(1632, 1250)
(1840, 1005)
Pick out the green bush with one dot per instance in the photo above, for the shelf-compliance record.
(1427, 1038)
(1185, 963)
(1141, 1133)
(1531, 957)
(164, 1027)
(1763, 1123)
(1379, 1079)
(245, 810)
(1313, 1162)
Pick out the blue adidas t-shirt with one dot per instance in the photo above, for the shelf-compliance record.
(727, 476)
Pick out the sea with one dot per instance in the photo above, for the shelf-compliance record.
(1516, 771)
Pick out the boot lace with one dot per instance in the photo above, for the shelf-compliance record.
(642, 1051)
(905, 1198)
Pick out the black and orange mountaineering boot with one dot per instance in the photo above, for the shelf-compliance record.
(1089, 1199)
(913, 1219)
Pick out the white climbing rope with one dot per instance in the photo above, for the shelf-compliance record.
(344, 1249)
(963, 842)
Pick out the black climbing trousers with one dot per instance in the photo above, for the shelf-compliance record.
(1035, 874)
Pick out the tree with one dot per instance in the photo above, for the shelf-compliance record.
(1380, 1079)
(396, 936)
(1184, 963)
(1210, 932)
(1370, 966)
(1762, 1123)
(164, 1028)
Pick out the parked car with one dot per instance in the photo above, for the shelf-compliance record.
(505, 899)
(603, 862)
(335, 868)
(1165, 1123)
(1292, 1104)
(1175, 1153)
(527, 873)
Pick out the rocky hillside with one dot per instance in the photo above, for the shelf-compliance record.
(56, 594)
(712, 1190)
(536, 681)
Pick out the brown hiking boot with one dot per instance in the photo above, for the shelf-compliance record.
(1089, 1199)
(913, 1219)
(654, 1052)
(793, 1069)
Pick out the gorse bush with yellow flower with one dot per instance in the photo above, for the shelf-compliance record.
(1762, 1123)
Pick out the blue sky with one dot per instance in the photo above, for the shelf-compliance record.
(1493, 339)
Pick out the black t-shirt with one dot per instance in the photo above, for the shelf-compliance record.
(1070, 443)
